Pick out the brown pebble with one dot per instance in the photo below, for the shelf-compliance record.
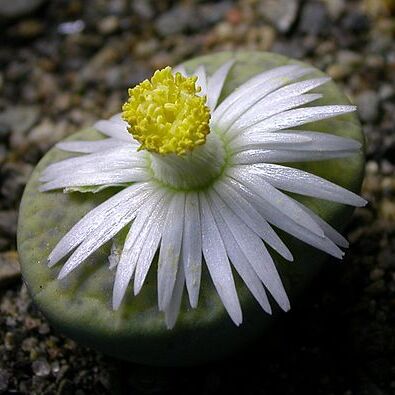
(376, 274)
(10, 271)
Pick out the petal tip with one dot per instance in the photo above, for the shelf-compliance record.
(62, 274)
(116, 301)
(50, 262)
(362, 202)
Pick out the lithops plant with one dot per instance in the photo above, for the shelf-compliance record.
(164, 235)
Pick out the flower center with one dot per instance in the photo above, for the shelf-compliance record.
(194, 170)
(166, 115)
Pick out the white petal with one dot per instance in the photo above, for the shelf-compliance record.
(172, 310)
(304, 183)
(253, 250)
(297, 88)
(265, 141)
(251, 218)
(241, 264)
(87, 179)
(252, 97)
(218, 263)
(192, 247)
(279, 208)
(120, 217)
(289, 226)
(118, 119)
(253, 83)
(200, 72)
(150, 243)
(295, 140)
(329, 231)
(259, 112)
(115, 254)
(113, 158)
(115, 129)
(325, 141)
(89, 146)
(67, 170)
(91, 221)
(282, 156)
(170, 249)
(180, 69)
(142, 239)
(298, 117)
(216, 82)
(107, 164)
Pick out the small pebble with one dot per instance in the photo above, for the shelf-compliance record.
(10, 271)
(387, 209)
(19, 119)
(280, 13)
(8, 222)
(314, 19)
(4, 379)
(335, 8)
(28, 29)
(368, 105)
(9, 340)
(376, 274)
(18, 8)
(41, 367)
(108, 25)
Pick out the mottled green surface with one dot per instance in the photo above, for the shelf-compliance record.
(80, 305)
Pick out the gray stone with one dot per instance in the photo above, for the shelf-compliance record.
(4, 378)
(386, 91)
(368, 105)
(27, 29)
(143, 8)
(14, 177)
(19, 119)
(176, 20)
(126, 75)
(191, 17)
(41, 367)
(73, 27)
(46, 133)
(293, 48)
(108, 25)
(93, 70)
(4, 243)
(335, 8)
(8, 220)
(18, 8)
(349, 58)
(212, 13)
(10, 270)
(356, 22)
(314, 19)
(3, 152)
(280, 13)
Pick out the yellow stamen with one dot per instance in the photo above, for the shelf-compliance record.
(166, 115)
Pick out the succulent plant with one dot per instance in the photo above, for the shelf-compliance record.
(172, 198)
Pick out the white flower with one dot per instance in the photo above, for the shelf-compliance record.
(213, 194)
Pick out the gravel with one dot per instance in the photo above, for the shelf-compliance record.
(65, 64)
(280, 13)
(368, 105)
(314, 19)
(18, 8)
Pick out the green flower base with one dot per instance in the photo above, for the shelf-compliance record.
(80, 305)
